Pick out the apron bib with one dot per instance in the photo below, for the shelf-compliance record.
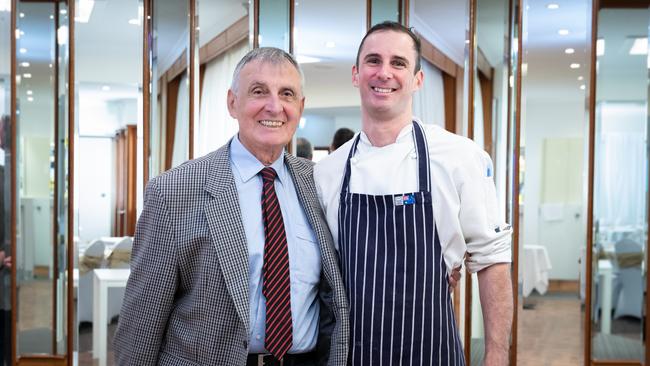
(395, 275)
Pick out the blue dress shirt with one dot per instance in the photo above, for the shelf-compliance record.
(304, 253)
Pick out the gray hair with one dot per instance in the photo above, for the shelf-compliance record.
(269, 55)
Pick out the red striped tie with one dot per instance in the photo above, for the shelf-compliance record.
(276, 284)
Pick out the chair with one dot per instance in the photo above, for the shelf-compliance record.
(120, 257)
(629, 257)
(91, 259)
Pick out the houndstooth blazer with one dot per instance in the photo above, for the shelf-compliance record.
(186, 300)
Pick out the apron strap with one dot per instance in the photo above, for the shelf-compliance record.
(422, 150)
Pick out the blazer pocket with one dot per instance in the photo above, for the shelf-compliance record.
(168, 359)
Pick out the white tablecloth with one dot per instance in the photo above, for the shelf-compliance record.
(534, 267)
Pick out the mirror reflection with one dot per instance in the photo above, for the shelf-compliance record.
(170, 104)
(553, 183)
(621, 181)
(41, 45)
(108, 154)
(491, 101)
(5, 188)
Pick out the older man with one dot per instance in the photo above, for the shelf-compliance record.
(232, 257)
(407, 201)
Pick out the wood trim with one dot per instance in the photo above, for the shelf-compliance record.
(42, 360)
(170, 121)
(292, 14)
(368, 14)
(256, 23)
(147, 36)
(57, 174)
(625, 4)
(566, 286)
(406, 8)
(470, 135)
(131, 177)
(590, 182)
(120, 189)
(178, 67)
(432, 54)
(460, 81)
(192, 77)
(449, 95)
(615, 363)
(71, 170)
(509, 144)
(13, 230)
(234, 34)
(456, 300)
(515, 189)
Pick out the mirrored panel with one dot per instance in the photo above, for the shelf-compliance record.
(170, 106)
(223, 39)
(491, 102)
(381, 10)
(108, 169)
(553, 181)
(274, 24)
(620, 185)
(326, 54)
(5, 185)
(42, 138)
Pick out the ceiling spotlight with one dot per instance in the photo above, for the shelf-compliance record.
(574, 66)
(600, 47)
(30, 99)
(330, 44)
(569, 51)
(134, 21)
(27, 75)
(51, 16)
(29, 92)
(580, 78)
(63, 11)
(23, 50)
(563, 32)
(22, 15)
(106, 88)
(553, 6)
(24, 64)
(582, 87)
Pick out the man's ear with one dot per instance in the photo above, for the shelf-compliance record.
(231, 104)
(355, 76)
(419, 79)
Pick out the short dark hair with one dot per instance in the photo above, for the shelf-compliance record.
(303, 148)
(395, 27)
(341, 136)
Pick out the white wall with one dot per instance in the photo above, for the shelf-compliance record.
(544, 120)
(94, 186)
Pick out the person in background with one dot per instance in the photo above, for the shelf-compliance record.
(341, 136)
(304, 148)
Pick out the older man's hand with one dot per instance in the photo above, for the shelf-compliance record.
(453, 278)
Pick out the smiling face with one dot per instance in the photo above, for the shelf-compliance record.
(267, 104)
(386, 75)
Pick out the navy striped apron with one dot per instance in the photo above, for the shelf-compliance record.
(395, 275)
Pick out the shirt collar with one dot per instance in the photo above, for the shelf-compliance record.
(402, 136)
(247, 164)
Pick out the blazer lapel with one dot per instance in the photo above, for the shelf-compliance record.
(227, 231)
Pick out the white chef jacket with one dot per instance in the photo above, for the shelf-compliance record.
(464, 199)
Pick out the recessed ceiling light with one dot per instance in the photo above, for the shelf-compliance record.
(30, 99)
(106, 88)
(51, 16)
(580, 78)
(50, 66)
(22, 15)
(563, 32)
(302, 59)
(640, 46)
(27, 75)
(18, 34)
(24, 64)
(63, 11)
(600, 47)
(574, 66)
(553, 6)
(29, 92)
(23, 50)
(569, 51)
(134, 21)
(582, 87)
(330, 44)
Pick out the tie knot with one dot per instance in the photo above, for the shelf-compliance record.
(268, 174)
